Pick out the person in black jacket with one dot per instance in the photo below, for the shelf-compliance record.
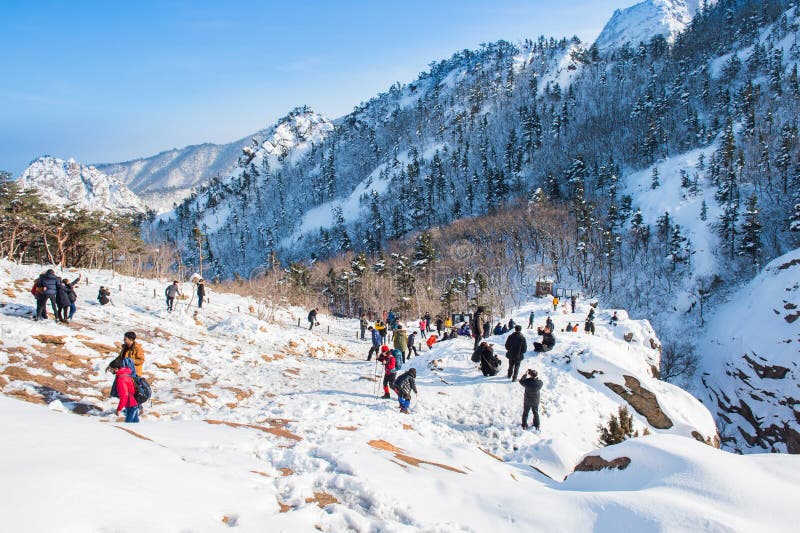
(516, 346)
(533, 386)
(312, 319)
(477, 327)
(403, 387)
(103, 295)
(62, 301)
(73, 296)
(201, 292)
(50, 284)
(548, 341)
(489, 362)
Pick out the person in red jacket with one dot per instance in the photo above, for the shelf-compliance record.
(389, 369)
(126, 391)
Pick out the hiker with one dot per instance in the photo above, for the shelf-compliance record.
(422, 328)
(125, 390)
(38, 292)
(403, 386)
(312, 318)
(614, 319)
(555, 303)
(133, 351)
(171, 292)
(548, 341)
(477, 327)
(498, 329)
(389, 369)
(376, 343)
(201, 292)
(362, 324)
(427, 322)
(511, 324)
(572, 300)
(516, 346)
(549, 324)
(380, 327)
(489, 362)
(439, 325)
(49, 286)
(575, 328)
(530, 320)
(400, 342)
(569, 327)
(430, 341)
(448, 323)
(411, 340)
(103, 295)
(591, 314)
(73, 296)
(391, 318)
(62, 301)
(589, 326)
(533, 386)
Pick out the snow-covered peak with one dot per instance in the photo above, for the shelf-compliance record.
(62, 182)
(645, 20)
(299, 127)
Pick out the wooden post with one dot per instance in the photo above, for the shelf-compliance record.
(237, 309)
(120, 287)
(154, 293)
(298, 322)
(329, 328)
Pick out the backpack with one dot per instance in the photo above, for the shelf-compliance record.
(476, 356)
(143, 390)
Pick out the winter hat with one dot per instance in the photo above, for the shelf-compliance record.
(384, 348)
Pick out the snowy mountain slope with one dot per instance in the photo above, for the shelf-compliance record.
(256, 423)
(645, 20)
(61, 182)
(750, 360)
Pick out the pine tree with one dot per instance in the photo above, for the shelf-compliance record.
(750, 244)
(704, 211)
(654, 183)
(424, 251)
(618, 429)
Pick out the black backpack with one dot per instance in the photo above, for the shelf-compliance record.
(143, 390)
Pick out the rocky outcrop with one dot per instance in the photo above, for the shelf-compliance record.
(595, 463)
(643, 401)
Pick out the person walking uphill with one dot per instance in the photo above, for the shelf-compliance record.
(403, 387)
(533, 386)
(376, 343)
(401, 342)
(312, 318)
(125, 390)
(389, 370)
(171, 292)
(516, 346)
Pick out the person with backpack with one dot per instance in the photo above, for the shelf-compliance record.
(403, 386)
(376, 343)
(103, 295)
(312, 319)
(400, 342)
(516, 346)
(201, 292)
(389, 370)
(489, 362)
(533, 387)
(125, 390)
(171, 292)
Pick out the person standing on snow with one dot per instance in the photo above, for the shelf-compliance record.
(49, 283)
(376, 343)
(572, 300)
(171, 292)
(516, 346)
(403, 387)
(555, 303)
(73, 296)
(533, 386)
(131, 350)
(477, 327)
(389, 370)
(125, 390)
(411, 340)
(362, 324)
(312, 318)
(530, 320)
(201, 292)
(401, 342)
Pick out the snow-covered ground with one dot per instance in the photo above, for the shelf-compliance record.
(267, 426)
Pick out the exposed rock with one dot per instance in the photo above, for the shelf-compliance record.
(643, 401)
(595, 463)
(590, 375)
(766, 371)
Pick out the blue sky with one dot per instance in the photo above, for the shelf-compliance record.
(109, 81)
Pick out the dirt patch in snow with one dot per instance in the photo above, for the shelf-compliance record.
(322, 499)
(99, 347)
(50, 339)
(490, 454)
(347, 428)
(400, 455)
(173, 365)
(277, 429)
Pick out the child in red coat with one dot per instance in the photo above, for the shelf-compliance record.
(389, 369)
(126, 391)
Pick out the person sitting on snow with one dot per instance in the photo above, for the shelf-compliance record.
(614, 319)
(403, 387)
(548, 341)
(489, 362)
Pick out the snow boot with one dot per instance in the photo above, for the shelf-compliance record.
(385, 396)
